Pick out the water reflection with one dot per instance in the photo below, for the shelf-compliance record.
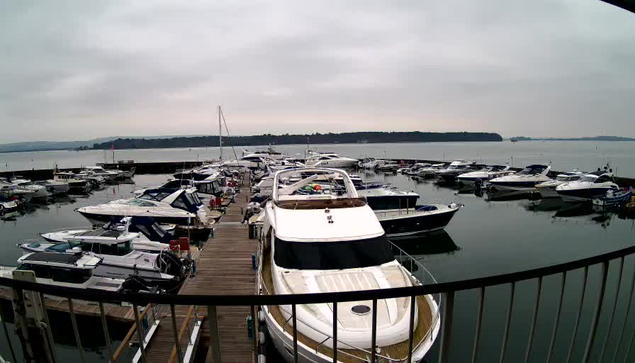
(434, 243)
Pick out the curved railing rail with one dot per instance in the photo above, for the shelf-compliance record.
(447, 289)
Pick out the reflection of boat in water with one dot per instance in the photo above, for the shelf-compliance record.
(431, 244)
(575, 210)
(545, 205)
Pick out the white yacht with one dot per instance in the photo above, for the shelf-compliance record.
(479, 177)
(75, 184)
(330, 160)
(430, 171)
(100, 171)
(144, 233)
(55, 187)
(456, 168)
(587, 188)
(548, 189)
(34, 191)
(181, 206)
(8, 204)
(119, 259)
(67, 270)
(522, 182)
(329, 240)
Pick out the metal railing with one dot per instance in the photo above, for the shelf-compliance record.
(595, 345)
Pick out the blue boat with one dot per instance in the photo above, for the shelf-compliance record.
(614, 198)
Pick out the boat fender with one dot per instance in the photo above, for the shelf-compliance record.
(261, 337)
(261, 358)
(261, 316)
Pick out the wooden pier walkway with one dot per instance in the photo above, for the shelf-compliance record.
(223, 267)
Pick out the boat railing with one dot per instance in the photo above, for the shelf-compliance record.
(603, 292)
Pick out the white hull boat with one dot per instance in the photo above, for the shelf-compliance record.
(323, 242)
(589, 187)
(524, 181)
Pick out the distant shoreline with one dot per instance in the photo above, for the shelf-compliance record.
(287, 139)
(595, 138)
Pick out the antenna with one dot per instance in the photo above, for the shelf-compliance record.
(220, 134)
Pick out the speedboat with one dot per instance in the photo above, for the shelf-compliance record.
(119, 259)
(614, 198)
(144, 233)
(587, 188)
(75, 184)
(400, 216)
(548, 189)
(70, 270)
(330, 160)
(477, 178)
(457, 168)
(34, 191)
(430, 171)
(100, 171)
(331, 241)
(55, 187)
(522, 182)
(8, 204)
(414, 170)
(181, 206)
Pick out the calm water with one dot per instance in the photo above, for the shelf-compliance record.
(569, 155)
(484, 238)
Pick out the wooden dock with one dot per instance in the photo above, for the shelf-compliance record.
(223, 268)
(82, 308)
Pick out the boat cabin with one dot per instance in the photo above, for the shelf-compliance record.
(185, 199)
(74, 268)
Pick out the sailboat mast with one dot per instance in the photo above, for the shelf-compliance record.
(220, 134)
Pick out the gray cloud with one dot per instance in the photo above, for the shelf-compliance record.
(80, 69)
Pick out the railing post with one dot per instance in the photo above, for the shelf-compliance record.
(628, 311)
(177, 341)
(335, 332)
(49, 334)
(556, 322)
(295, 333)
(534, 318)
(479, 320)
(508, 323)
(446, 327)
(6, 334)
(139, 332)
(577, 320)
(75, 329)
(104, 325)
(617, 296)
(413, 308)
(598, 311)
(373, 338)
(214, 345)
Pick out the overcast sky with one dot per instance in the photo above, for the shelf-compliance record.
(86, 69)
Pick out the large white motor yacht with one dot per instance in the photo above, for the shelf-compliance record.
(330, 160)
(181, 206)
(318, 240)
(522, 182)
(548, 189)
(587, 188)
(479, 177)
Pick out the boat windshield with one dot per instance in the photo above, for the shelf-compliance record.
(589, 178)
(332, 255)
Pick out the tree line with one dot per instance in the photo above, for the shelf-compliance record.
(286, 139)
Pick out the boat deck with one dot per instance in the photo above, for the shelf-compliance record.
(398, 352)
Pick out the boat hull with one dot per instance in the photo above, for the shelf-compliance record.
(401, 224)
(101, 219)
(582, 195)
(283, 341)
